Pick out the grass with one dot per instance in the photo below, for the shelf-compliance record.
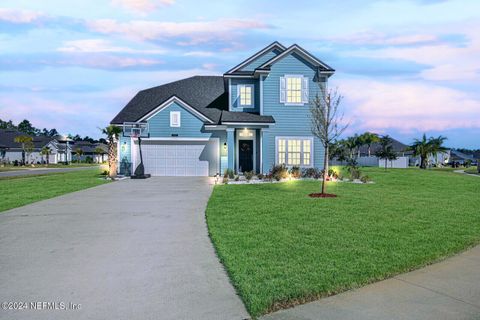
(22, 190)
(471, 170)
(42, 166)
(282, 248)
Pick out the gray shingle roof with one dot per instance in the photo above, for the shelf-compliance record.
(7, 139)
(205, 94)
(228, 116)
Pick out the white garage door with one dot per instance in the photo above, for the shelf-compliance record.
(185, 158)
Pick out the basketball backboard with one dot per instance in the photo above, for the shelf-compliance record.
(135, 129)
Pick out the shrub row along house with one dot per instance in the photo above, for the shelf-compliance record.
(254, 116)
(36, 149)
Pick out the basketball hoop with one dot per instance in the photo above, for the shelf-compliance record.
(135, 129)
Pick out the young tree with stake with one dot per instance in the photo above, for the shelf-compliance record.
(326, 122)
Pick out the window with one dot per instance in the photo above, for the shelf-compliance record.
(174, 118)
(295, 151)
(294, 90)
(245, 95)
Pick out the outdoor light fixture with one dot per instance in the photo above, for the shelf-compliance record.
(124, 146)
(216, 178)
(224, 146)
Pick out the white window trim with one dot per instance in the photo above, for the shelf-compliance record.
(252, 101)
(286, 89)
(301, 149)
(172, 114)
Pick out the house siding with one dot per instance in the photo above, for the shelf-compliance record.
(234, 98)
(261, 60)
(290, 121)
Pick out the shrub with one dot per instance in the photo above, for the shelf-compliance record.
(249, 175)
(365, 179)
(279, 172)
(355, 173)
(260, 176)
(88, 159)
(295, 172)
(312, 173)
(228, 173)
(104, 173)
(225, 180)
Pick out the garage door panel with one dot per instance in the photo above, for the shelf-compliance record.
(180, 158)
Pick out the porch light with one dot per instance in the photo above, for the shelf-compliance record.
(224, 146)
(216, 178)
(124, 146)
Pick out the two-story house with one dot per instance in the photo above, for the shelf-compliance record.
(254, 116)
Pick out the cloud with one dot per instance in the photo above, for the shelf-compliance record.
(142, 6)
(184, 33)
(199, 54)
(408, 106)
(19, 16)
(374, 38)
(100, 45)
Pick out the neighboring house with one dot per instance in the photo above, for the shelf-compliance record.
(403, 156)
(460, 157)
(98, 152)
(12, 150)
(254, 116)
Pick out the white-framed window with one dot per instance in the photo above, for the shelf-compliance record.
(294, 151)
(245, 95)
(294, 90)
(174, 118)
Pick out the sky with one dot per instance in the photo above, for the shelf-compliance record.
(403, 67)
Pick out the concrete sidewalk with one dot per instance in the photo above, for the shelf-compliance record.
(447, 290)
(34, 171)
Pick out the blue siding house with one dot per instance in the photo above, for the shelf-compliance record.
(254, 116)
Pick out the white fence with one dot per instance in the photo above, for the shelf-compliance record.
(401, 162)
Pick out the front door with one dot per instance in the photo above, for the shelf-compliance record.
(245, 155)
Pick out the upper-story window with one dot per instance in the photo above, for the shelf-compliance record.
(245, 95)
(294, 90)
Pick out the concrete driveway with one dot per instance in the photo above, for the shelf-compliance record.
(133, 249)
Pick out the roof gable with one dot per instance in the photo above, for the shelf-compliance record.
(301, 52)
(274, 49)
(179, 102)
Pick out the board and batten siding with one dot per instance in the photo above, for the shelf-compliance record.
(261, 60)
(290, 121)
(234, 95)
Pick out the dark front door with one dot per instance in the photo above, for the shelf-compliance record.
(245, 155)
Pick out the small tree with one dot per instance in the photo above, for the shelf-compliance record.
(326, 123)
(112, 132)
(78, 154)
(46, 152)
(386, 150)
(25, 141)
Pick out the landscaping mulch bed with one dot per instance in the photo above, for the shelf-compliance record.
(322, 195)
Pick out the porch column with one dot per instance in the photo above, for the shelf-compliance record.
(231, 148)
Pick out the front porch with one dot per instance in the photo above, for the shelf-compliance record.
(244, 149)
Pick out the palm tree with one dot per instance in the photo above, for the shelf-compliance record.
(112, 132)
(46, 152)
(353, 144)
(386, 150)
(425, 147)
(25, 141)
(369, 138)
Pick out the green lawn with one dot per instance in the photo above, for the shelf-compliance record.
(22, 190)
(281, 247)
(471, 170)
(42, 166)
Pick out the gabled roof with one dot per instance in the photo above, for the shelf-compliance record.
(7, 139)
(303, 53)
(397, 147)
(205, 94)
(274, 45)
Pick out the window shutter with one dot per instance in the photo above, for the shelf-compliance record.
(237, 100)
(283, 90)
(305, 90)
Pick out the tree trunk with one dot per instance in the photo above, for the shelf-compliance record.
(422, 163)
(385, 164)
(325, 169)
(112, 159)
(369, 148)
